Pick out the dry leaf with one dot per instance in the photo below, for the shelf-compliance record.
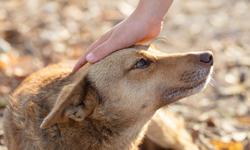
(227, 146)
(244, 119)
(2, 66)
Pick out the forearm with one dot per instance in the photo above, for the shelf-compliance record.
(153, 11)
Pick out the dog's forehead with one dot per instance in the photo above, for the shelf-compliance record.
(136, 49)
(124, 58)
(132, 50)
(116, 63)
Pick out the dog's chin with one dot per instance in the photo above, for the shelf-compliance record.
(173, 96)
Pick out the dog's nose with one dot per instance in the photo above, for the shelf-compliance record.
(207, 57)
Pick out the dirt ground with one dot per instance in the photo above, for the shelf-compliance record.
(34, 34)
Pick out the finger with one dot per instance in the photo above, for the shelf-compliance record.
(98, 42)
(103, 50)
(82, 61)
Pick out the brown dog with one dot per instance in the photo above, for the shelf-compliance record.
(103, 106)
(167, 131)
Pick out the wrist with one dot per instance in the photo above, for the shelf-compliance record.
(152, 11)
(146, 20)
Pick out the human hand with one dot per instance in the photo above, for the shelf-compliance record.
(136, 29)
(125, 34)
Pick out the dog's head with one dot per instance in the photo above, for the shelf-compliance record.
(138, 80)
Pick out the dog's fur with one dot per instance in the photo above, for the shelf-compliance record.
(167, 131)
(106, 105)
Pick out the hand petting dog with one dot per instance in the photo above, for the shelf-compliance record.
(144, 24)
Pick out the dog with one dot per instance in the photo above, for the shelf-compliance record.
(103, 106)
(167, 131)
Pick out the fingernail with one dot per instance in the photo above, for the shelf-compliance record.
(90, 57)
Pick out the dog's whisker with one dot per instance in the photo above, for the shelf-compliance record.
(197, 96)
(160, 38)
(187, 103)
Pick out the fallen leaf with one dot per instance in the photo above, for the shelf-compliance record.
(2, 66)
(227, 145)
(244, 119)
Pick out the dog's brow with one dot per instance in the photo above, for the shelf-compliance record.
(148, 56)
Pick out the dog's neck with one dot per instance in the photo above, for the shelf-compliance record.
(107, 135)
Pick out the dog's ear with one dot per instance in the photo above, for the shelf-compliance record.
(71, 103)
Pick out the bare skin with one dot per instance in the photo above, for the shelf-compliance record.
(144, 24)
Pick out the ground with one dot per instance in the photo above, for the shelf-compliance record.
(34, 34)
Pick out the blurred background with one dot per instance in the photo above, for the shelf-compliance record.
(34, 34)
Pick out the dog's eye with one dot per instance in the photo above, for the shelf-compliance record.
(141, 63)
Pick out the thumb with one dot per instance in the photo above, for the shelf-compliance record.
(102, 51)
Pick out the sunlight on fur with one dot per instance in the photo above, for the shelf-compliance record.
(111, 104)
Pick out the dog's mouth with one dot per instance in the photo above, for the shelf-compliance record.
(175, 95)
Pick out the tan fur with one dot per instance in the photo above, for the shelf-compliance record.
(167, 131)
(103, 106)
